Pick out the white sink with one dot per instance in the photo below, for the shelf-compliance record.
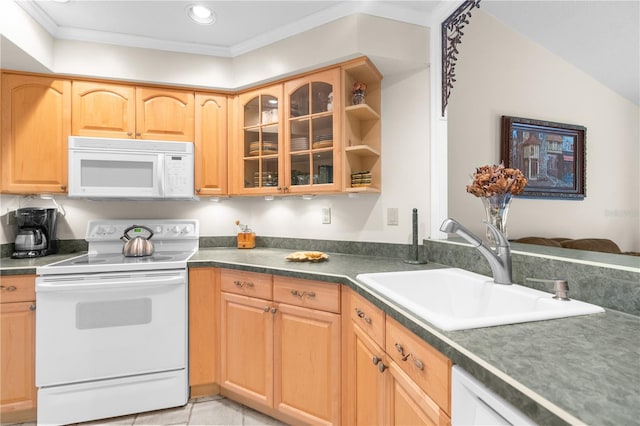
(455, 299)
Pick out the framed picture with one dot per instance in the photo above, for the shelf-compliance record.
(551, 156)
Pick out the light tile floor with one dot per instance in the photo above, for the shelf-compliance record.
(212, 410)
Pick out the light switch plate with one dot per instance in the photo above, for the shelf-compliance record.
(326, 215)
(392, 216)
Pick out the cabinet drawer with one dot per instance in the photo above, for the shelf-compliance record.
(306, 293)
(369, 318)
(17, 288)
(246, 283)
(425, 365)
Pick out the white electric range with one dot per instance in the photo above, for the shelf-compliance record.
(111, 331)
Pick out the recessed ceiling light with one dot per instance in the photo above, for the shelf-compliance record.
(201, 14)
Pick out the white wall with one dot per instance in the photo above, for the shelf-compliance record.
(405, 133)
(499, 72)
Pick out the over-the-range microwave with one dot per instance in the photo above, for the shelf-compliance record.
(110, 168)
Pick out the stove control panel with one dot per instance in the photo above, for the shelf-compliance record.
(170, 229)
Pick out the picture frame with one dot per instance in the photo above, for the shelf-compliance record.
(551, 155)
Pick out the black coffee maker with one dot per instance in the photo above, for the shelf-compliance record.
(36, 232)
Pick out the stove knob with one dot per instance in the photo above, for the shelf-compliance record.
(188, 229)
(175, 229)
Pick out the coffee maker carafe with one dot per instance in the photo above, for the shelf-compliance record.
(36, 232)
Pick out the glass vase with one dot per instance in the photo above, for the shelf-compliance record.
(497, 209)
(357, 97)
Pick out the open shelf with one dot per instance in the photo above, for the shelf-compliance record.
(362, 112)
(362, 151)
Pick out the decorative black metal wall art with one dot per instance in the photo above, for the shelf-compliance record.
(451, 38)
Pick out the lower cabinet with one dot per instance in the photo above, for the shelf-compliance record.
(280, 345)
(17, 349)
(406, 384)
(204, 291)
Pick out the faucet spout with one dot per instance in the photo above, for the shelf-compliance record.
(499, 259)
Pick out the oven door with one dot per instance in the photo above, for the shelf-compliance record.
(99, 326)
(115, 174)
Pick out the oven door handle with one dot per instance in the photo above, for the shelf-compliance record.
(120, 281)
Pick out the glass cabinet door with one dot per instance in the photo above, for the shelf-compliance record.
(261, 143)
(311, 151)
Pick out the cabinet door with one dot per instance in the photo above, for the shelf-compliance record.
(210, 144)
(246, 343)
(17, 358)
(203, 327)
(164, 114)
(103, 110)
(408, 405)
(307, 364)
(256, 161)
(36, 121)
(365, 402)
(312, 133)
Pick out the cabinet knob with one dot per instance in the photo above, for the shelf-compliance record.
(63, 187)
(198, 190)
(377, 361)
(266, 309)
(129, 133)
(362, 315)
(138, 134)
(273, 310)
(32, 307)
(10, 288)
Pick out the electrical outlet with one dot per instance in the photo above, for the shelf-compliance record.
(392, 216)
(326, 215)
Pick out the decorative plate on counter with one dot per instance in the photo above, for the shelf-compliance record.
(307, 256)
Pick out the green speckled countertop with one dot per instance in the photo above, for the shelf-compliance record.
(581, 370)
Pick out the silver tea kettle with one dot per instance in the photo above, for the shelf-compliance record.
(137, 246)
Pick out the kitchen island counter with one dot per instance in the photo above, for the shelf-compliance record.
(580, 370)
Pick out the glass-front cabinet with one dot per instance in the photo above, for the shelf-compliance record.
(312, 133)
(309, 135)
(260, 167)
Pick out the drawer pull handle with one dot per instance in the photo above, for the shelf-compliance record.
(419, 364)
(242, 284)
(10, 288)
(302, 294)
(362, 315)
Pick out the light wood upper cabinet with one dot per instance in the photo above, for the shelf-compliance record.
(36, 122)
(164, 114)
(211, 124)
(313, 154)
(103, 110)
(17, 348)
(125, 111)
(256, 158)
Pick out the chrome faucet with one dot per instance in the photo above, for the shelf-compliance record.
(499, 259)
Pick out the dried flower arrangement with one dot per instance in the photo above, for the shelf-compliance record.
(358, 87)
(496, 179)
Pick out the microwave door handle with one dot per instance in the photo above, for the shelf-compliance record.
(160, 175)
